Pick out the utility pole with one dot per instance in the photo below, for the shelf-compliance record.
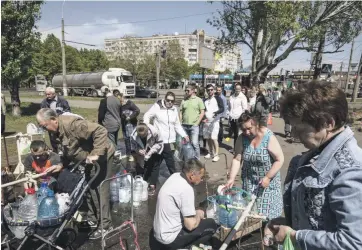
(158, 65)
(65, 90)
(349, 67)
(340, 76)
(358, 80)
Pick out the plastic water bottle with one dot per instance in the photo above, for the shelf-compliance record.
(212, 211)
(144, 196)
(42, 192)
(227, 217)
(49, 207)
(125, 190)
(137, 191)
(129, 129)
(239, 200)
(114, 187)
(232, 218)
(29, 206)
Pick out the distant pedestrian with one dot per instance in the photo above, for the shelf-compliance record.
(276, 97)
(55, 102)
(224, 115)
(129, 114)
(109, 116)
(192, 110)
(262, 105)
(214, 108)
(238, 104)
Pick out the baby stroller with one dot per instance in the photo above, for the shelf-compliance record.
(48, 232)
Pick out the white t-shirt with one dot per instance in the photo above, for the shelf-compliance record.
(175, 200)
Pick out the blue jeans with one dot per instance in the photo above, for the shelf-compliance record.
(193, 133)
(127, 141)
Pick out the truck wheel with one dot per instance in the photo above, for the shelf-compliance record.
(94, 93)
(60, 92)
(149, 96)
(71, 93)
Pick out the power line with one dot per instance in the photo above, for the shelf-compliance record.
(50, 29)
(141, 21)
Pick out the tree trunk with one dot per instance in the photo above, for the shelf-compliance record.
(318, 55)
(15, 99)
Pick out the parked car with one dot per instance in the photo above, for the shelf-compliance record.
(145, 92)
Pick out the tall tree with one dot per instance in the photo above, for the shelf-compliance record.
(174, 66)
(267, 27)
(18, 36)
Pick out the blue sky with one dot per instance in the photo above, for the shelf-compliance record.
(90, 14)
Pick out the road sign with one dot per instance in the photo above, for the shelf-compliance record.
(326, 68)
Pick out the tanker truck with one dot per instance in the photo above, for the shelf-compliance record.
(97, 83)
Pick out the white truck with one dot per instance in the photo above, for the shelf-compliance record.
(97, 83)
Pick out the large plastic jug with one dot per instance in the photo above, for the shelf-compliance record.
(26, 212)
(49, 207)
(125, 189)
(227, 217)
(212, 211)
(144, 196)
(29, 206)
(42, 192)
(137, 190)
(114, 188)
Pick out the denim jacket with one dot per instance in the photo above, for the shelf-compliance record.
(323, 196)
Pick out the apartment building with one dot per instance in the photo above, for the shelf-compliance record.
(190, 46)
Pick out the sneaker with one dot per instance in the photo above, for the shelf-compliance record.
(216, 158)
(88, 224)
(151, 190)
(208, 156)
(97, 234)
(130, 158)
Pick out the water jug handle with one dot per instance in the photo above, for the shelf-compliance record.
(138, 177)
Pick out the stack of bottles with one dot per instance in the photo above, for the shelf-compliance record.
(37, 206)
(226, 209)
(120, 188)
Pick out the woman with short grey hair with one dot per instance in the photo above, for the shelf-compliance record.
(323, 187)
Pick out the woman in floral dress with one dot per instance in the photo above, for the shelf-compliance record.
(259, 153)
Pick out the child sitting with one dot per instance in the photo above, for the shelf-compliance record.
(41, 160)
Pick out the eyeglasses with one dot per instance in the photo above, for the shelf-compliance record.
(210, 90)
(171, 101)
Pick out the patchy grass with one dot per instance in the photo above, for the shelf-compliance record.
(15, 125)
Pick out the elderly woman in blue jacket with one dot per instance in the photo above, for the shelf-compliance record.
(323, 187)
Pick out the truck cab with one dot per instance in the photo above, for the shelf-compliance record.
(125, 80)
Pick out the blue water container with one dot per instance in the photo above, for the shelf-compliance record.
(49, 207)
(42, 192)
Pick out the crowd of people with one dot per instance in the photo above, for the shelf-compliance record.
(322, 194)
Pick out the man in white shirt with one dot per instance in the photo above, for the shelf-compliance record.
(177, 224)
(214, 109)
(238, 103)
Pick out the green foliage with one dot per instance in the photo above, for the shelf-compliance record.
(267, 27)
(47, 59)
(174, 66)
(18, 40)
(136, 58)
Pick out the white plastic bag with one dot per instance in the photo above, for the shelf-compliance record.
(63, 201)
